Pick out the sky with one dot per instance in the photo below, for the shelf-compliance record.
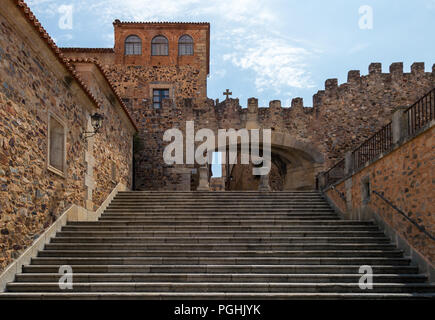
(270, 49)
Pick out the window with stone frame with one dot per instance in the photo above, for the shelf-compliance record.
(158, 96)
(56, 145)
(133, 45)
(185, 45)
(365, 189)
(159, 46)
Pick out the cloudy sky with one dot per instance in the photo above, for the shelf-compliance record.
(270, 49)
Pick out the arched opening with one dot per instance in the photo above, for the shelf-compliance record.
(294, 166)
(159, 46)
(185, 45)
(133, 45)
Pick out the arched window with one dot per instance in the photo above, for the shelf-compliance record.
(185, 46)
(159, 46)
(133, 45)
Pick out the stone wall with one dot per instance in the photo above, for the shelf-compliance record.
(342, 117)
(35, 83)
(405, 177)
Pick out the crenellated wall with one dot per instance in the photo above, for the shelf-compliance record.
(342, 116)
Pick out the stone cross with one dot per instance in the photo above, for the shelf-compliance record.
(227, 93)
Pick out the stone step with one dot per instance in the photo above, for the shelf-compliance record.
(196, 194)
(236, 207)
(261, 223)
(214, 296)
(296, 269)
(217, 234)
(196, 229)
(221, 287)
(204, 202)
(219, 240)
(220, 221)
(212, 216)
(215, 215)
(198, 199)
(221, 246)
(220, 277)
(220, 209)
(216, 261)
(198, 253)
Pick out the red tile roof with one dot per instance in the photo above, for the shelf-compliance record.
(117, 21)
(97, 50)
(28, 14)
(105, 75)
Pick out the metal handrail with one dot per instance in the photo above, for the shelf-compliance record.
(422, 229)
(382, 140)
(340, 194)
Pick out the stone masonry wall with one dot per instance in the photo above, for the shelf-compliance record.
(342, 116)
(34, 84)
(406, 178)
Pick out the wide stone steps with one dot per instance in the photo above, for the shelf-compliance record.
(217, 261)
(218, 221)
(220, 245)
(221, 234)
(222, 287)
(215, 253)
(247, 296)
(294, 269)
(236, 223)
(218, 240)
(164, 229)
(220, 277)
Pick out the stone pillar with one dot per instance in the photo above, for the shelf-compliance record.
(90, 163)
(264, 183)
(399, 126)
(203, 179)
(321, 181)
(252, 115)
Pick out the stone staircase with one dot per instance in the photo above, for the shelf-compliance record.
(222, 245)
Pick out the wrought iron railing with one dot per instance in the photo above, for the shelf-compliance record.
(419, 227)
(421, 112)
(417, 115)
(339, 193)
(380, 142)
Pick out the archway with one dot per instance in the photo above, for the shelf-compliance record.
(295, 165)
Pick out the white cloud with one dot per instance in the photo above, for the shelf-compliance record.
(277, 63)
(245, 33)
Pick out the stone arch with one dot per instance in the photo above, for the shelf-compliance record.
(298, 163)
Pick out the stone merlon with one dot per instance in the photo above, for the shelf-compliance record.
(375, 67)
(396, 68)
(417, 67)
(297, 103)
(353, 75)
(331, 84)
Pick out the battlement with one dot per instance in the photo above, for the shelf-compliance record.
(374, 78)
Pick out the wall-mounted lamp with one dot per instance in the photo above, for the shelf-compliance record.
(96, 121)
